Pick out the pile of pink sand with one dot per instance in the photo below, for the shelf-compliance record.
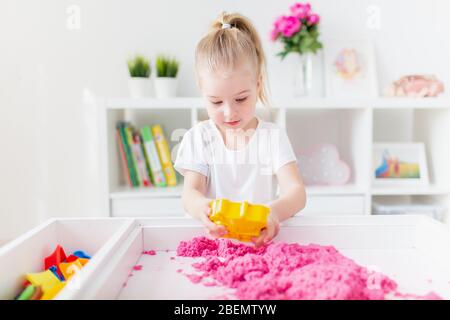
(286, 271)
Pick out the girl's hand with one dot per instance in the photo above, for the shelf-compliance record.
(270, 231)
(213, 229)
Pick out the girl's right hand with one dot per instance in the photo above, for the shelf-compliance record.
(213, 229)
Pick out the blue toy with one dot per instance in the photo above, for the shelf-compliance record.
(56, 272)
(81, 254)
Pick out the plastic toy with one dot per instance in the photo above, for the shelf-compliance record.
(55, 258)
(58, 269)
(69, 269)
(81, 254)
(27, 293)
(37, 294)
(71, 258)
(53, 291)
(83, 261)
(30, 293)
(44, 279)
(57, 272)
(242, 220)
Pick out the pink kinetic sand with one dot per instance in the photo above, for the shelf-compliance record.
(137, 268)
(149, 252)
(194, 278)
(287, 271)
(210, 284)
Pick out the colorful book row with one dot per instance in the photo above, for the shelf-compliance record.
(145, 156)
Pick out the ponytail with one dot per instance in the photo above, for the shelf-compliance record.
(230, 38)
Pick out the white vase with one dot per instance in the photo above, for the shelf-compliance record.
(165, 87)
(140, 87)
(303, 77)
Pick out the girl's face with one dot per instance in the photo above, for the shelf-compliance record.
(231, 96)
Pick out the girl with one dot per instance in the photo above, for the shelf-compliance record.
(235, 154)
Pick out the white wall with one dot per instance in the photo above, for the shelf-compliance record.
(49, 160)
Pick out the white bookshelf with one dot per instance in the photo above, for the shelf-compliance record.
(353, 125)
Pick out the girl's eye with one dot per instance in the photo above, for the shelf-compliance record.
(241, 99)
(216, 102)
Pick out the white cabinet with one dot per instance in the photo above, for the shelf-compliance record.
(353, 125)
(147, 205)
(334, 205)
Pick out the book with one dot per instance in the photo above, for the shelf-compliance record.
(164, 155)
(128, 155)
(140, 160)
(123, 159)
(129, 137)
(152, 158)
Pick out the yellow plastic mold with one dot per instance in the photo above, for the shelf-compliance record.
(49, 283)
(241, 219)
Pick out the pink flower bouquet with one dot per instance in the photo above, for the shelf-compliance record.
(298, 31)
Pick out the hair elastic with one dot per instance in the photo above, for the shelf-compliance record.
(226, 26)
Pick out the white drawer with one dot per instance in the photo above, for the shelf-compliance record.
(334, 205)
(147, 207)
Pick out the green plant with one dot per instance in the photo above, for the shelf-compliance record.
(166, 67)
(139, 67)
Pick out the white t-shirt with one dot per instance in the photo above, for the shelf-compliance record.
(246, 174)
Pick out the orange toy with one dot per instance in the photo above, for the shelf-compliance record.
(69, 269)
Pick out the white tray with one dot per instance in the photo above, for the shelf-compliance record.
(413, 250)
(97, 237)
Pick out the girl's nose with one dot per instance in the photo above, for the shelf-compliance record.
(227, 111)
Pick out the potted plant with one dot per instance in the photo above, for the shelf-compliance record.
(299, 32)
(139, 81)
(166, 77)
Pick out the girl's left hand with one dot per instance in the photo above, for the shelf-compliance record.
(270, 231)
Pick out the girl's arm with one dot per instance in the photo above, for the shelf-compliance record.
(292, 192)
(196, 204)
(292, 199)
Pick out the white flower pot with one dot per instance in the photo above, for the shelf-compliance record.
(165, 87)
(140, 87)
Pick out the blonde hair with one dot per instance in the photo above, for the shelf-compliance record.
(226, 47)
